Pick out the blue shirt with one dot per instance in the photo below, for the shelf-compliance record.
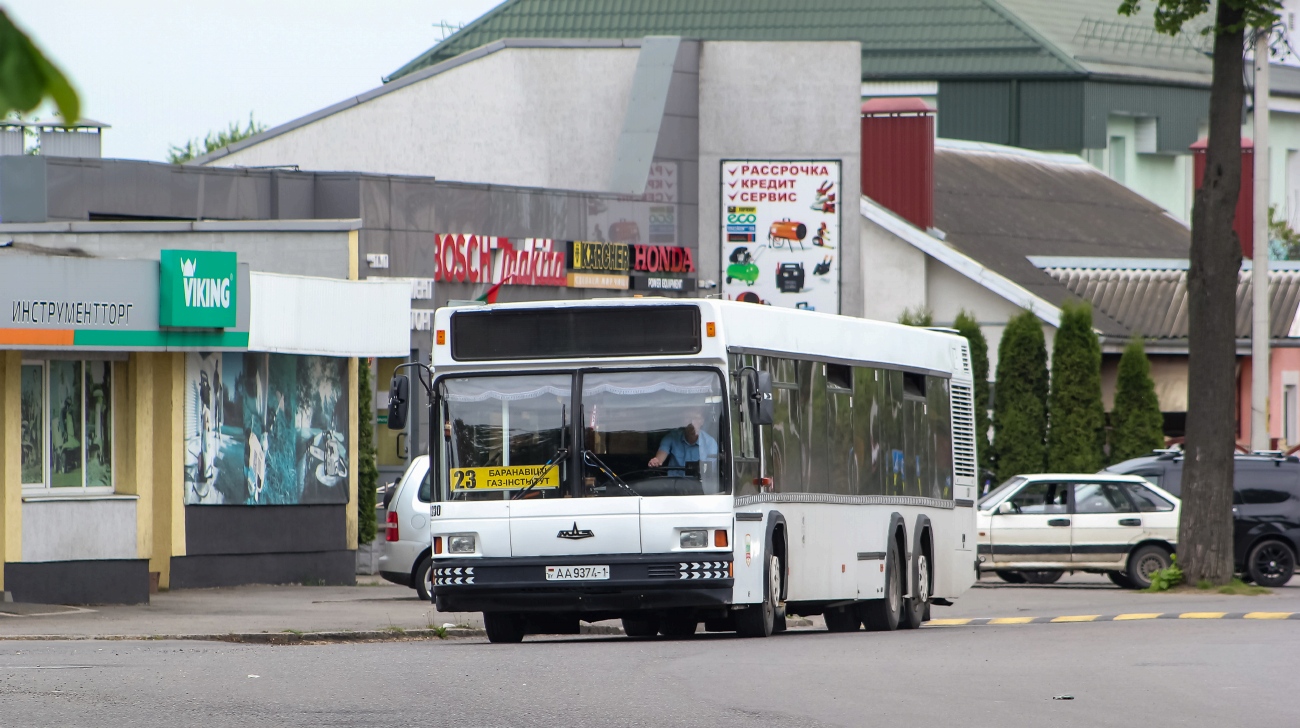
(681, 452)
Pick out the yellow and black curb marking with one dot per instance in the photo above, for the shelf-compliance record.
(1130, 617)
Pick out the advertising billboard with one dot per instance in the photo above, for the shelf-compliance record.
(781, 233)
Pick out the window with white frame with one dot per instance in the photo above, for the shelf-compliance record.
(67, 425)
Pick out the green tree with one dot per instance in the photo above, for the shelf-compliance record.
(27, 77)
(1076, 433)
(920, 316)
(1283, 240)
(1137, 427)
(1205, 528)
(968, 327)
(368, 475)
(1020, 404)
(214, 141)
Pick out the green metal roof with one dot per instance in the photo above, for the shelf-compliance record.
(901, 39)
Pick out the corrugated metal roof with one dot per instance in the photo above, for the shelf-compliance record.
(914, 39)
(1153, 302)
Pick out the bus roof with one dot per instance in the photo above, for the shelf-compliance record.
(748, 327)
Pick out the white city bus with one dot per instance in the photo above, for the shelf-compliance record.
(669, 462)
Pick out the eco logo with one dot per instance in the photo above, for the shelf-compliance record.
(197, 289)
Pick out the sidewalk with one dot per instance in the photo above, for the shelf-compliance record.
(372, 605)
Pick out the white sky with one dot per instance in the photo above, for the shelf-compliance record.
(161, 72)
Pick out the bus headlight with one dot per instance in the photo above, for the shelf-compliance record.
(695, 538)
(461, 543)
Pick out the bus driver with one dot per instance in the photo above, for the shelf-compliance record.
(689, 444)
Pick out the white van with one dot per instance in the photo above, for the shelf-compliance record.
(406, 558)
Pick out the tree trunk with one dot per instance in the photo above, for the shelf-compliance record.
(1205, 527)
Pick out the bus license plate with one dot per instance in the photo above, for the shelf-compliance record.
(576, 573)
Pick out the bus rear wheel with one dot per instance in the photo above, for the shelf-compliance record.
(883, 615)
(641, 625)
(759, 620)
(503, 627)
(916, 611)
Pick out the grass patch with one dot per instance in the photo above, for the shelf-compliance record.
(313, 582)
(293, 631)
(441, 632)
(394, 629)
(1240, 588)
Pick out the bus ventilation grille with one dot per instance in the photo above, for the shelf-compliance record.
(963, 431)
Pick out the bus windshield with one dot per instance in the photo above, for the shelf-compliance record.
(648, 432)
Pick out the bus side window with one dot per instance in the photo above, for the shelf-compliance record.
(868, 401)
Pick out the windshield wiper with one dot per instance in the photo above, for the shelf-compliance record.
(588, 456)
(559, 455)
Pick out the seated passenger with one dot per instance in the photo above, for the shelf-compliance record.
(689, 444)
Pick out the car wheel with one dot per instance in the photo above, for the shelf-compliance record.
(1042, 577)
(424, 579)
(842, 619)
(915, 610)
(503, 627)
(1011, 577)
(641, 625)
(1119, 579)
(759, 620)
(883, 615)
(1271, 563)
(1145, 562)
(678, 625)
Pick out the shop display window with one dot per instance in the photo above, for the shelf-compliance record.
(67, 425)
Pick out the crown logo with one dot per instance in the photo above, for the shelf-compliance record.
(187, 267)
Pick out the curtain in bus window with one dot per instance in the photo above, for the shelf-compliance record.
(812, 390)
(840, 443)
(892, 414)
(781, 439)
(937, 390)
(866, 431)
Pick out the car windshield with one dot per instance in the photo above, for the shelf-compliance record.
(644, 432)
(994, 495)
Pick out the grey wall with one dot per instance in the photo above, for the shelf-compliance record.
(782, 101)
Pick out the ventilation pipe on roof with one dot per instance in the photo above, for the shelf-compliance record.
(898, 157)
(1244, 221)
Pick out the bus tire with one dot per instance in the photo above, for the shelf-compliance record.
(759, 620)
(641, 625)
(883, 615)
(916, 611)
(678, 624)
(842, 619)
(503, 627)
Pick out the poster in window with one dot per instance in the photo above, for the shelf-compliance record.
(265, 429)
(99, 424)
(781, 233)
(65, 424)
(33, 424)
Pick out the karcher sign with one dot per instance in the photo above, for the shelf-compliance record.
(197, 289)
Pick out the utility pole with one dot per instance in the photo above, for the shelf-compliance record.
(1259, 334)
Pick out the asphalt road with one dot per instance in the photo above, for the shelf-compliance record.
(1156, 673)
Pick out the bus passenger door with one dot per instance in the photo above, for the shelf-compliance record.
(1036, 528)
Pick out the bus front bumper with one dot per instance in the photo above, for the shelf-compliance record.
(636, 582)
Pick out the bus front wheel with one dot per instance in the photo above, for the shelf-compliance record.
(759, 620)
(503, 627)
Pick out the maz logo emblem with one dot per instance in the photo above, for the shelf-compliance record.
(574, 534)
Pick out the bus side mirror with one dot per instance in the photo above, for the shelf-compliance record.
(760, 399)
(399, 396)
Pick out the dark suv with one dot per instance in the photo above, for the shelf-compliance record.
(1265, 509)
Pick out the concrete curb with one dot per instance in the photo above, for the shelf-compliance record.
(302, 638)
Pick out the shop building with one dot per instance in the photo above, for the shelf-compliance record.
(177, 404)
